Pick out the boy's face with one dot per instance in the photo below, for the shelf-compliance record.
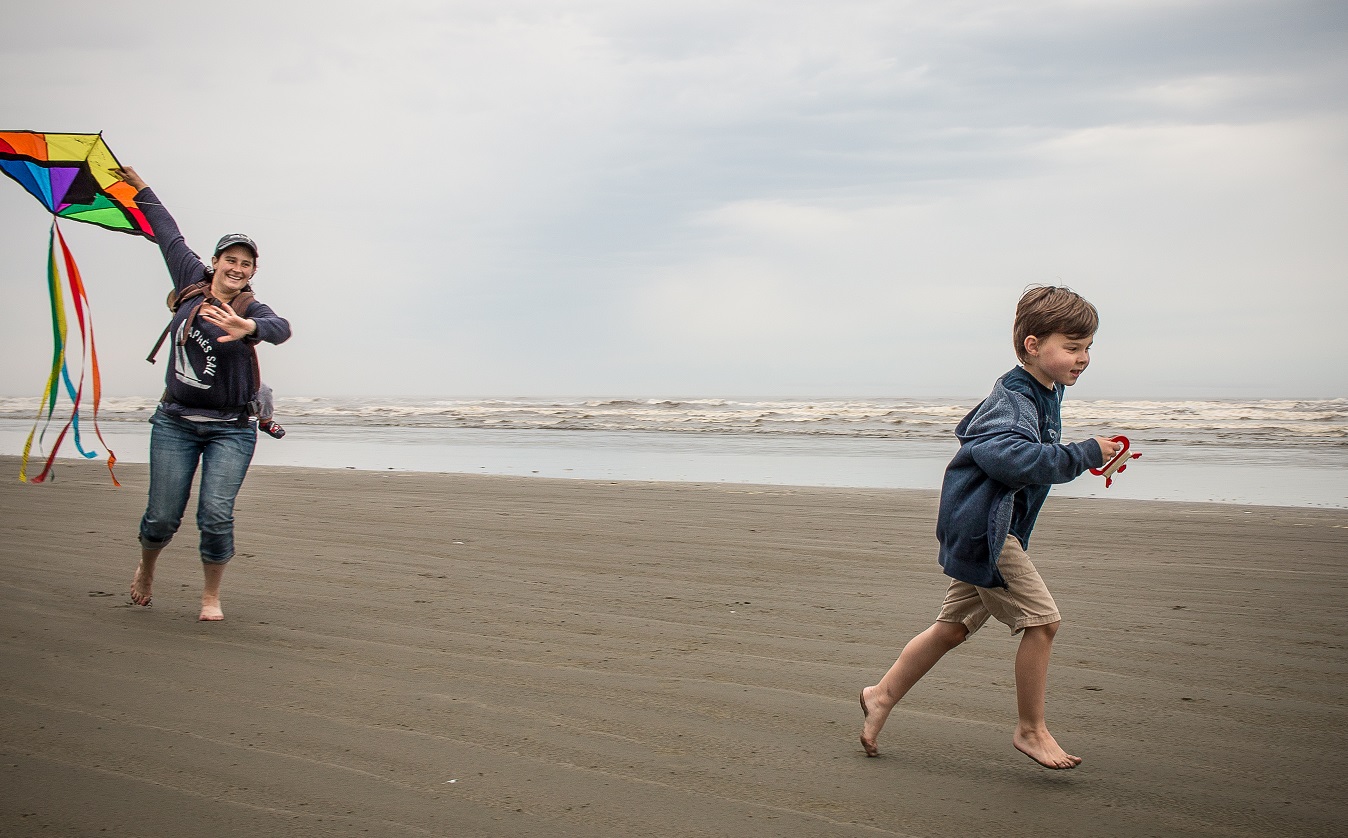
(1057, 359)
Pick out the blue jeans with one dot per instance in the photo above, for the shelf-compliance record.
(224, 450)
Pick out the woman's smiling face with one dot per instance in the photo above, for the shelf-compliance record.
(234, 268)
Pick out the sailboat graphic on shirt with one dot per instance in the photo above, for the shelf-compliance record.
(182, 367)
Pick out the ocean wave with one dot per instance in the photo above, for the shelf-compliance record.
(1240, 423)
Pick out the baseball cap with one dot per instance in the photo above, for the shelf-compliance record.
(233, 239)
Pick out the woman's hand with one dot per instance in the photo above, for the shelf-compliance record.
(129, 175)
(223, 315)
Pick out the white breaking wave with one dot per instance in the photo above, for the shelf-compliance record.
(1256, 423)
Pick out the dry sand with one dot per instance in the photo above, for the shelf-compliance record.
(428, 654)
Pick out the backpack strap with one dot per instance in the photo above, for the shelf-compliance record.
(175, 299)
(200, 291)
(257, 370)
(157, 344)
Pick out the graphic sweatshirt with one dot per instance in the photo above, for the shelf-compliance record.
(205, 379)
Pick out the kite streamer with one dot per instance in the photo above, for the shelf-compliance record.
(72, 176)
(80, 300)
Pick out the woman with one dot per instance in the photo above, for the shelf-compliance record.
(203, 417)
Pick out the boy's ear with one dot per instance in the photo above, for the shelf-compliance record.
(1031, 345)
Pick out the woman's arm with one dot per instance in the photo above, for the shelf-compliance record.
(129, 175)
(184, 266)
(262, 324)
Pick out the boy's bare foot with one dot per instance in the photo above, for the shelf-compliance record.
(141, 584)
(211, 612)
(870, 730)
(1040, 746)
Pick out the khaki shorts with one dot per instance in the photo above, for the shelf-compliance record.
(1023, 603)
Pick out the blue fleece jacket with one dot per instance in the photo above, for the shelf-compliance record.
(1003, 456)
(205, 379)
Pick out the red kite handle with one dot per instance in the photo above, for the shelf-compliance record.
(1117, 463)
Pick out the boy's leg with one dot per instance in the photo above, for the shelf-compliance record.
(1032, 737)
(916, 660)
(1027, 607)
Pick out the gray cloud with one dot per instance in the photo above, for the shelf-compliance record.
(742, 197)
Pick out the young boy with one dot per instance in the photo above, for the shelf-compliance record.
(993, 489)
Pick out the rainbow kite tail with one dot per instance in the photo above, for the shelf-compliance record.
(59, 371)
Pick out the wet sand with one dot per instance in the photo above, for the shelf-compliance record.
(434, 654)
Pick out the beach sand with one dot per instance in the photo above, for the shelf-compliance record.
(434, 654)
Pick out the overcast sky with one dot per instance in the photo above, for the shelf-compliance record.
(709, 198)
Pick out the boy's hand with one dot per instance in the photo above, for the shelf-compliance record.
(1108, 447)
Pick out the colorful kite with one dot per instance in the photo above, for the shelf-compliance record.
(72, 175)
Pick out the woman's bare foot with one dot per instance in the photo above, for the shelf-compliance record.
(141, 584)
(1040, 746)
(212, 574)
(875, 719)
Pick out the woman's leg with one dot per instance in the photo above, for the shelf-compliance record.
(142, 584)
(224, 464)
(174, 452)
(213, 574)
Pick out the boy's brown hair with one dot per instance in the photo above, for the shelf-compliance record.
(1045, 309)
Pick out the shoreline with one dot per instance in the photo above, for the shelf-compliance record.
(407, 654)
(1310, 478)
